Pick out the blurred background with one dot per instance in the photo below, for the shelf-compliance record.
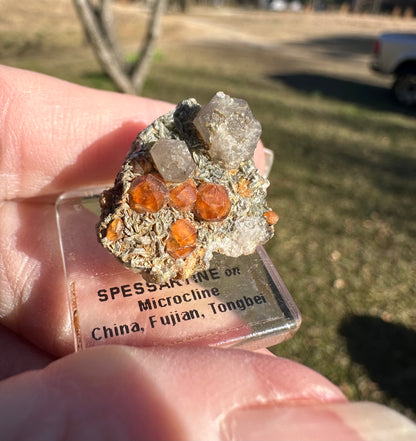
(344, 177)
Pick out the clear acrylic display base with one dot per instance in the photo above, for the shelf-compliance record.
(240, 302)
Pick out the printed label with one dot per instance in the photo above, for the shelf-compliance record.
(233, 302)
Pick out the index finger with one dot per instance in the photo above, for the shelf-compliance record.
(55, 135)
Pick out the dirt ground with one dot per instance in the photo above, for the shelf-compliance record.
(331, 43)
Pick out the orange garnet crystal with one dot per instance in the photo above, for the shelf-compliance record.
(212, 202)
(271, 217)
(182, 239)
(183, 196)
(115, 230)
(147, 193)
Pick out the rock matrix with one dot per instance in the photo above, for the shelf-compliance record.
(187, 189)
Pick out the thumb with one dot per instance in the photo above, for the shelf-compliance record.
(115, 392)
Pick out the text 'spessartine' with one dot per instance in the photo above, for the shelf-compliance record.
(187, 189)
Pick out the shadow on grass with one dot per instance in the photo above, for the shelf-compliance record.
(372, 97)
(341, 46)
(387, 351)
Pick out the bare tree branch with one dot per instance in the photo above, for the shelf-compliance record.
(107, 24)
(142, 66)
(98, 24)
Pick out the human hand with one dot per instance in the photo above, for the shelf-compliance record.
(55, 136)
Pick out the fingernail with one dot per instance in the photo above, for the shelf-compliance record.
(335, 421)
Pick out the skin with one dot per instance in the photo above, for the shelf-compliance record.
(54, 136)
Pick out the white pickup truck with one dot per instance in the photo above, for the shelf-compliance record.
(395, 54)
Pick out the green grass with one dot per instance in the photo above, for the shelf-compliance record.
(344, 185)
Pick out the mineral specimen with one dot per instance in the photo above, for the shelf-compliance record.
(187, 189)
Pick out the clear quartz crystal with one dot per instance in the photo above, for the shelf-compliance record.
(229, 129)
(173, 159)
